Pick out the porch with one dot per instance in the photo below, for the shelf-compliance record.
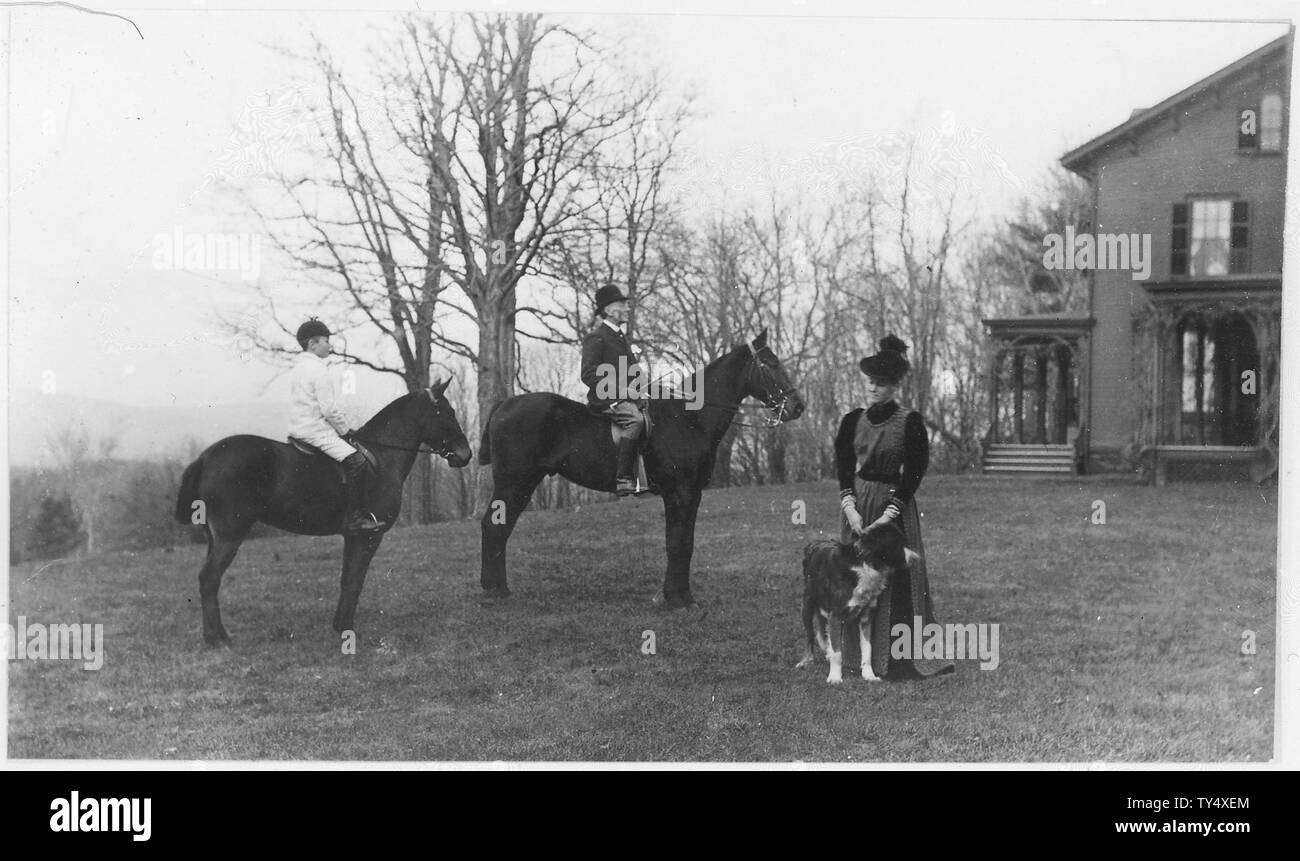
(1036, 394)
(1217, 346)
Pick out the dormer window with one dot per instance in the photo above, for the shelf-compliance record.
(1260, 126)
(1270, 123)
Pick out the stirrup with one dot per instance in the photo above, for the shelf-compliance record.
(362, 526)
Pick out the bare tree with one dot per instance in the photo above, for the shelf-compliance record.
(527, 113)
(90, 478)
(486, 149)
(620, 232)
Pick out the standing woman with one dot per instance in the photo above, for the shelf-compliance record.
(881, 454)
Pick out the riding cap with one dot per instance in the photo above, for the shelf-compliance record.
(311, 329)
(890, 363)
(607, 295)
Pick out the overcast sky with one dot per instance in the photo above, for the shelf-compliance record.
(112, 137)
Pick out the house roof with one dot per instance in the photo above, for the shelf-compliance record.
(1039, 325)
(1081, 157)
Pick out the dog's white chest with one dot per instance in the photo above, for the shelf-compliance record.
(868, 588)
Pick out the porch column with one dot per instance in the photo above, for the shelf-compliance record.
(1018, 403)
(1064, 393)
(995, 371)
(1174, 379)
(1040, 394)
(1200, 381)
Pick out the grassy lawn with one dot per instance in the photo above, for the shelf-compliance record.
(1119, 642)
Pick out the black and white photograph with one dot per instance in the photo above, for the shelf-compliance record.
(807, 384)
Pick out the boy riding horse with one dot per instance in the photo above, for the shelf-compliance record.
(602, 350)
(315, 419)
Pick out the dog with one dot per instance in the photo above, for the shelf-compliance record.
(841, 583)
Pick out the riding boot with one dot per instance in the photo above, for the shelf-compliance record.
(355, 521)
(625, 475)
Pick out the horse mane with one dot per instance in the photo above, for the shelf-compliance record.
(663, 407)
(385, 414)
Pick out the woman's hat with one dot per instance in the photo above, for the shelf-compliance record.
(888, 364)
(607, 295)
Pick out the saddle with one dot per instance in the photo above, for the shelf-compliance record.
(309, 449)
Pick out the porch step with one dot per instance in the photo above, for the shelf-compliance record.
(1029, 459)
(1010, 467)
(1010, 446)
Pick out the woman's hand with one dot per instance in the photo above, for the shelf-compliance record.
(851, 513)
(892, 511)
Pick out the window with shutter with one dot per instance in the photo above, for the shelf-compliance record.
(1209, 251)
(1178, 243)
(1240, 254)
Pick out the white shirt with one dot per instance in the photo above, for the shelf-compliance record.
(315, 409)
(614, 326)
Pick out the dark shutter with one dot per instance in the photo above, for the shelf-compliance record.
(1244, 140)
(1239, 261)
(1178, 242)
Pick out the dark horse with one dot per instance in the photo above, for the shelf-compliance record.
(539, 434)
(243, 479)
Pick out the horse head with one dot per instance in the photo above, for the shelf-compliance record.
(440, 429)
(767, 381)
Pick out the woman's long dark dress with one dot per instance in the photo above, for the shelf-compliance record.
(881, 455)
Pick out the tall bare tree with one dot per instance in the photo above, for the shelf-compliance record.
(528, 111)
(482, 146)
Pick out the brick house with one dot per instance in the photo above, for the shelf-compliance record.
(1178, 370)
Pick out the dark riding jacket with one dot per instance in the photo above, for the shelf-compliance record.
(603, 346)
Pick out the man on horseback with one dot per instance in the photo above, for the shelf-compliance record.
(606, 357)
(316, 419)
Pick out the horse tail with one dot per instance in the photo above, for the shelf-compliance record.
(189, 491)
(485, 444)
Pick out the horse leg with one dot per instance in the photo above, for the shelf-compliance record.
(498, 522)
(358, 550)
(680, 509)
(221, 552)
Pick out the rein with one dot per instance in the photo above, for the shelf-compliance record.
(775, 404)
(441, 452)
(445, 451)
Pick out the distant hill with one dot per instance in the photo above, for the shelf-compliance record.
(143, 433)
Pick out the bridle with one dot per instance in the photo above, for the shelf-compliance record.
(776, 402)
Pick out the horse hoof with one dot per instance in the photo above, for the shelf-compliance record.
(496, 592)
(219, 641)
(681, 602)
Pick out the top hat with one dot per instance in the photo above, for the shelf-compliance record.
(608, 295)
(890, 363)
